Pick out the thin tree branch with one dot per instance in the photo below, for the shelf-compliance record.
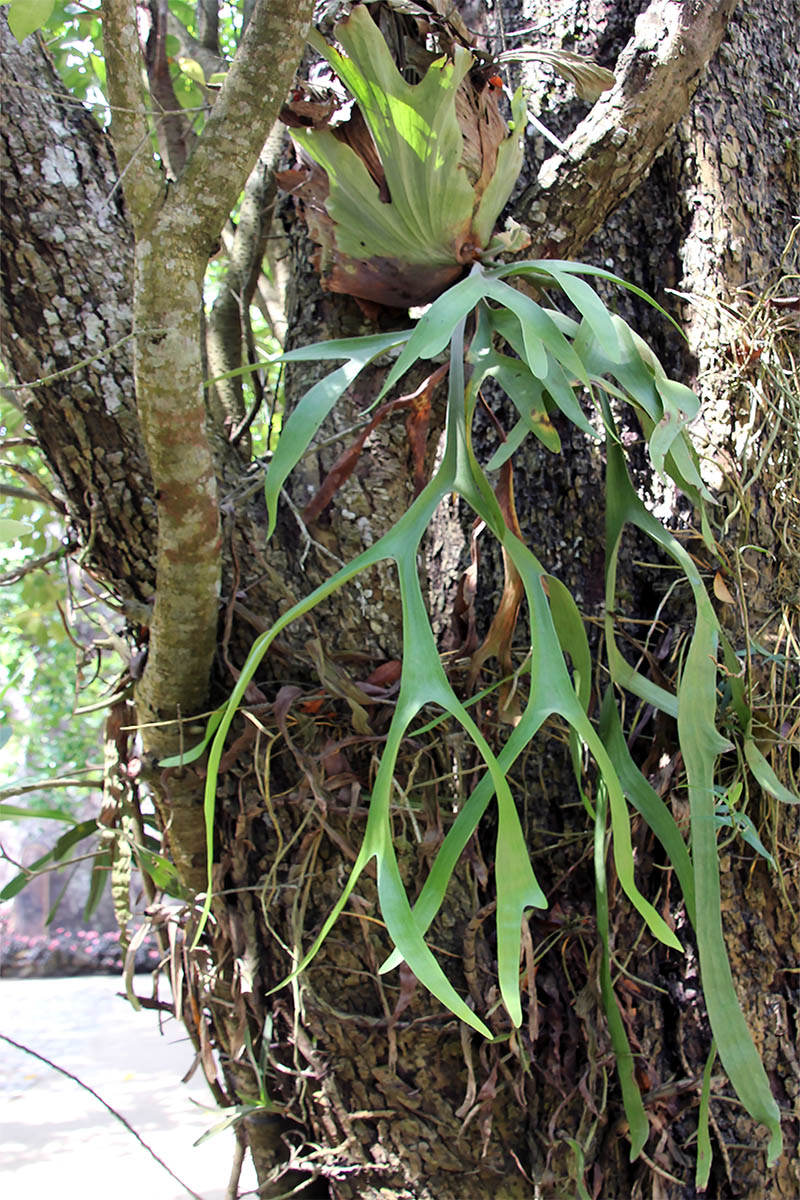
(228, 322)
(144, 184)
(227, 150)
(613, 149)
(19, 493)
(174, 132)
(117, 1115)
(35, 490)
(35, 564)
(208, 25)
(189, 47)
(46, 785)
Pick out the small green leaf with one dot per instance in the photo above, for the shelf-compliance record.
(26, 16)
(11, 529)
(192, 69)
(725, 816)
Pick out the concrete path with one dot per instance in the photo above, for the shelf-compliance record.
(56, 1140)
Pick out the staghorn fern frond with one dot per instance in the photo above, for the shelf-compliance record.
(588, 78)
(543, 359)
(405, 193)
(401, 198)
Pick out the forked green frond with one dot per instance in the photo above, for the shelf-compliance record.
(543, 359)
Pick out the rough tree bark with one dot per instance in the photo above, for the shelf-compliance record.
(383, 1095)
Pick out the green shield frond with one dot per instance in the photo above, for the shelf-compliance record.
(406, 193)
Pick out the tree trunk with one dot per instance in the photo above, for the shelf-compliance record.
(381, 1093)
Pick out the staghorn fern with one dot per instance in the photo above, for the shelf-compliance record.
(407, 191)
(434, 220)
(556, 354)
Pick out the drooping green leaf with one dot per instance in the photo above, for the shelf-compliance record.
(704, 1153)
(314, 406)
(701, 744)
(638, 1125)
(646, 800)
(12, 812)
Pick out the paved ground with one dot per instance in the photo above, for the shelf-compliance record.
(56, 1140)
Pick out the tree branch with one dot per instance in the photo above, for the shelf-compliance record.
(36, 564)
(613, 149)
(142, 181)
(168, 364)
(189, 47)
(208, 25)
(227, 322)
(174, 132)
(227, 150)
(171, 402)
(19, 493)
